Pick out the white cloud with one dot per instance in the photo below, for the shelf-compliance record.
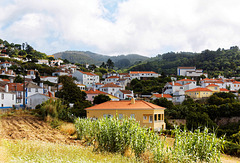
(147, 27)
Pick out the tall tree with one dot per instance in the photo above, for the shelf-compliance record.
(110, 64)
(101, 98)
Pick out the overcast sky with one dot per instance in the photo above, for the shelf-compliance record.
(113, 27)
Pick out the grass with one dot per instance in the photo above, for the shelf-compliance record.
(68, 128)
(34, 151)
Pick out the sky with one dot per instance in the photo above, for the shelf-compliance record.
(115, 27)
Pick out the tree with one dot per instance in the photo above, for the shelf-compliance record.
(110, 64)
(37, 78)
(101, 98)
(70, 93)
(18, 79)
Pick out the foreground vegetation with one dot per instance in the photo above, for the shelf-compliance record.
(34, 151)
(126, 136)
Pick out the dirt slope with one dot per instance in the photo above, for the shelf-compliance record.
(31, 128)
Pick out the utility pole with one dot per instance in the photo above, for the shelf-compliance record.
(24, 91)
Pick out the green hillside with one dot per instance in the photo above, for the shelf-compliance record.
(222, 61)
(93, 58)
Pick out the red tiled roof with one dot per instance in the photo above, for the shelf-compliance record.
(94, 92)
(125, 105)
(142, 72)
(88, 73)
(187, 67)
(162, 95)
(110, 85)
(99, 84)
(112, 77)
(126, 91)
(224, 90)
(14, 86)
(176, 84)
(212, 85)
(199, 89)
(7, 80)
(187, 80)
(236, 82)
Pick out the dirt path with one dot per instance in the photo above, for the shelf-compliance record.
(31, 128)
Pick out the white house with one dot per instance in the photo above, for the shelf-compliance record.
(190, 71)
(35, 100)
(43, 61)
(60, 73)
(143, 74)
(124, 94)
(177, 90)
(32, 89)
(110, 88)
(111, 79)
(86, 78)
(5, 64)
(52, 79)
(8, 99)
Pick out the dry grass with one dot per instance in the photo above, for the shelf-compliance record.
(68, 128)
(35, 151)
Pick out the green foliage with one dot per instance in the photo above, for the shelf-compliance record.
(18, 79)
(221, 61)
(114, 135)
(84, 57)
(101, 98)
(70, 93)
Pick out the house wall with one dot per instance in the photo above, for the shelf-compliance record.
(7, 100)
(138, 115)
(34, 100)
(199, 94)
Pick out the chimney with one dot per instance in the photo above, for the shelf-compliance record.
(185, 78)
(6, 88)
(162, 94)
(133, 100)
(41, 85)
(49, 88)
(173, 83)
(11, 80)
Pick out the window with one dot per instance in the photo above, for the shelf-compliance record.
(92, 96)
(150, 118)
(36, 90)
(215, 88)
(155, 117)
(12, 97)
(18, 100)
(159, 117)
(144, 117)
(120, 116)
(29, 90)
(132, 116)
(2, 96)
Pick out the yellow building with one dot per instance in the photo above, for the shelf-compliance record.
(214, 87)
(147, 114)
(199, 92)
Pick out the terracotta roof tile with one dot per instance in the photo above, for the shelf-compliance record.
(199, 89)
(212, 85)
(126, 91)
(15, 86)
(142, 72)
(187, 80)
(88, 73)
(112, 77)
(110, 85)
(115, 105)
(94, 92)
(162, 95)
(224, 90)
(176, 84)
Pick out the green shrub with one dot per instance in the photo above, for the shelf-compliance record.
(114, 135)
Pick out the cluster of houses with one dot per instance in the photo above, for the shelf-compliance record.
(113, 85)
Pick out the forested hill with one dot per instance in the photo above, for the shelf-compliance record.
(221, 61)
(93, 58)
